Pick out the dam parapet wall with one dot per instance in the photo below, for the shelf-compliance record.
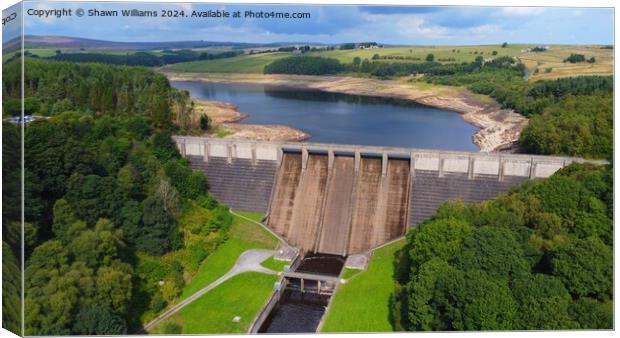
(442, 162)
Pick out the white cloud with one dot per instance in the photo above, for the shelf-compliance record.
(523, 10)
(484, 30)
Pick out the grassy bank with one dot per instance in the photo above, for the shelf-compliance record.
(362, 304)
(274, 265)
(242, 296)
(247, 63)
(244, 235)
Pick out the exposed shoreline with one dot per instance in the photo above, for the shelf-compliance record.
(226, 117)
(499, 128)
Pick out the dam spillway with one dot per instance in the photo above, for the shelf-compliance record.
(284, 194)
(334, 228)
(308, 204)
(366, 205)
(347, 199)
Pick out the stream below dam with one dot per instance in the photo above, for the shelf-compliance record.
(342, 118)
(298, 311)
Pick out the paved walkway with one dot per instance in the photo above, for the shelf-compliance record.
(248, 261)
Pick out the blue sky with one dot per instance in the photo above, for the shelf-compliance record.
(412, 25)
(12, 28)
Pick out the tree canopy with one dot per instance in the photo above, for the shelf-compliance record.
(519, 262)
(304, 65)
(105, 187)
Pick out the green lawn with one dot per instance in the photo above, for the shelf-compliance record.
(254, 63)
(243, 295)
(255, 216)
(244, 235)
(271, 263)
(362, 304)
(349, 273)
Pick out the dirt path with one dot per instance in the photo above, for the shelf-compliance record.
(248, 261)
(499, 128)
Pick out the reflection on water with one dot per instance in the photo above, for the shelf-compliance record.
(322, 264)
(341, 118)
(316, 95)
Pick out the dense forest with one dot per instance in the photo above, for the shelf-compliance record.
(145, 58)
(305, 65)
(538, 258)
(11, 230)
(54, 87)
(105, 188)
(569, 116)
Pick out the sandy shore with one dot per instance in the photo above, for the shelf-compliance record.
(499, 128)
(225, 117)
(218, 112)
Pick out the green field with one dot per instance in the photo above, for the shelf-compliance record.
(458, 53)
(224, 302)
(362, 304)
(244, 236)
(240, 64)
(550, 64)
(243, 295)
(542, 65)
(257, 62)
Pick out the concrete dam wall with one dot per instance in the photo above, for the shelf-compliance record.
(335, 227)
(225, 178)
(336, 209)
(344, 199)
(284, 194)
(307, 205)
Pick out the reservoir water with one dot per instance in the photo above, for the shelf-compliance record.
(342, 118)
